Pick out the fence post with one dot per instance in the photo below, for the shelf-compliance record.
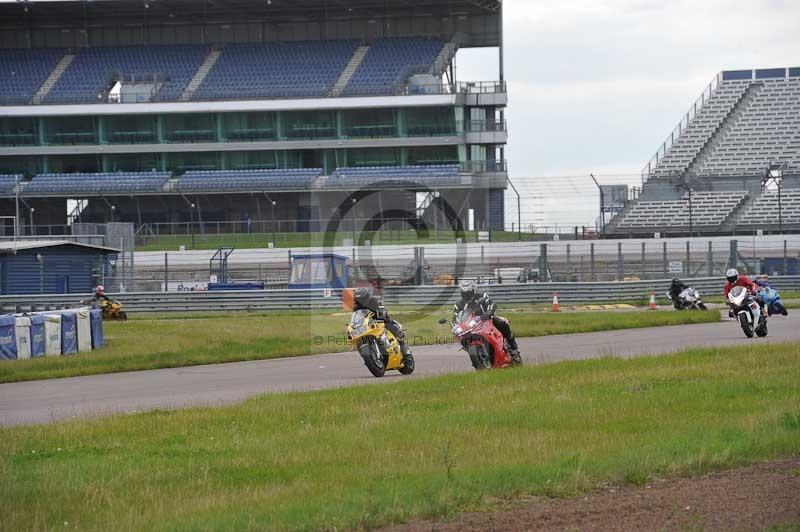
(710, 260)
(665, 264)
(583, 276)
(620, 263)
(591, 262)
(569, 263)
(688, 260)
(543, 261)
(644, 261)
(734, 254)
(785, 261)
(166, 272)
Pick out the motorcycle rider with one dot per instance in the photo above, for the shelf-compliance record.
(365, 299)
(675, 289)
(485, 307)
(732, 278)
(763, 281)
(100, 294)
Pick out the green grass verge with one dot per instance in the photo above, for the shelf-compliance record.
(171, 341)
(302, 240)
(366, 456)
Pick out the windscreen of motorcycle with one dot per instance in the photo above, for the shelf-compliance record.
(358, 317)
(464, 315)
(737, 295)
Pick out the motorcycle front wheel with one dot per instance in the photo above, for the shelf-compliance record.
(702, 306)
(373, 358)
(479, 356)
(748, 330)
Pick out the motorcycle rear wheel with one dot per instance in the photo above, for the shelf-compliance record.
(408, 365)
(748, 331)
(373, 358)
(479, 357)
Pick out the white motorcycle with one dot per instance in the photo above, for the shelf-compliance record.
(747, 311)
(688, 299)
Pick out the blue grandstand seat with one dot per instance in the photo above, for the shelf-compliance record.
(94, 183)
(389, 61)
(252, 180)
(276, 70)
(90, 73)
(22, 72)
(431, 176)
(7, 183)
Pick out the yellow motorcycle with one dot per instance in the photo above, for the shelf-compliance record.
(112, 309)
(377, 345)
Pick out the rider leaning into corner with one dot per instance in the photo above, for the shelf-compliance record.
(485, 307)
(364, 299)
(732, 278)
(675, 288)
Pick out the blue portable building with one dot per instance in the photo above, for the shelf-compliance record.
(51, 267)
(318, 270)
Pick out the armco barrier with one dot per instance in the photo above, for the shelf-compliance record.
(567, 292)
(252, 300)
(261, 300)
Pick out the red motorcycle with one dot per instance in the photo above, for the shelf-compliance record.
(484, 344)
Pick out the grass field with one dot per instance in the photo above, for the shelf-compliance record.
(300, 240)
(365, 456)
(173, 341)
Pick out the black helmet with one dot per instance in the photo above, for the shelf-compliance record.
(732, 275)
(675, 280)
(362, 295)
(468, 289)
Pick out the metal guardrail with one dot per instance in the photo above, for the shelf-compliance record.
(213, 301)
(261, 300)
(567, 292)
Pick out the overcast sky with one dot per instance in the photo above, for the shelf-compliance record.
(597, 85)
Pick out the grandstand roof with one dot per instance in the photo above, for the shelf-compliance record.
(477, 19)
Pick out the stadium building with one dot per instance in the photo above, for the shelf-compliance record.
(155, 111)
(732, 165)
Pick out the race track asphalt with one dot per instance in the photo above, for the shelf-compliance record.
(46, 401)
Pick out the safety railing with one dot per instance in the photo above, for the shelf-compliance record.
(651, 165)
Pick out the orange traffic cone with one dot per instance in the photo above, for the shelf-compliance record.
(555, 308)
(652, 305)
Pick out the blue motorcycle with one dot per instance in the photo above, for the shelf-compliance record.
(771, 299)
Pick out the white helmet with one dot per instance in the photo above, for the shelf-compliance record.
(732, 275)
(468, 289)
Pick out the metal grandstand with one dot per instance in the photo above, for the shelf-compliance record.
(731, 165)
(150, 111)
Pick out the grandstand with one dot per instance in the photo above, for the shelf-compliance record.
(733, 150)
(166, 112)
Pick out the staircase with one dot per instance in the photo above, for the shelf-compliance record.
(446, 55)
(729, 224)
(719, 134)
(349, 70)
(612, 225)
(200, 75)
(54, 76)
